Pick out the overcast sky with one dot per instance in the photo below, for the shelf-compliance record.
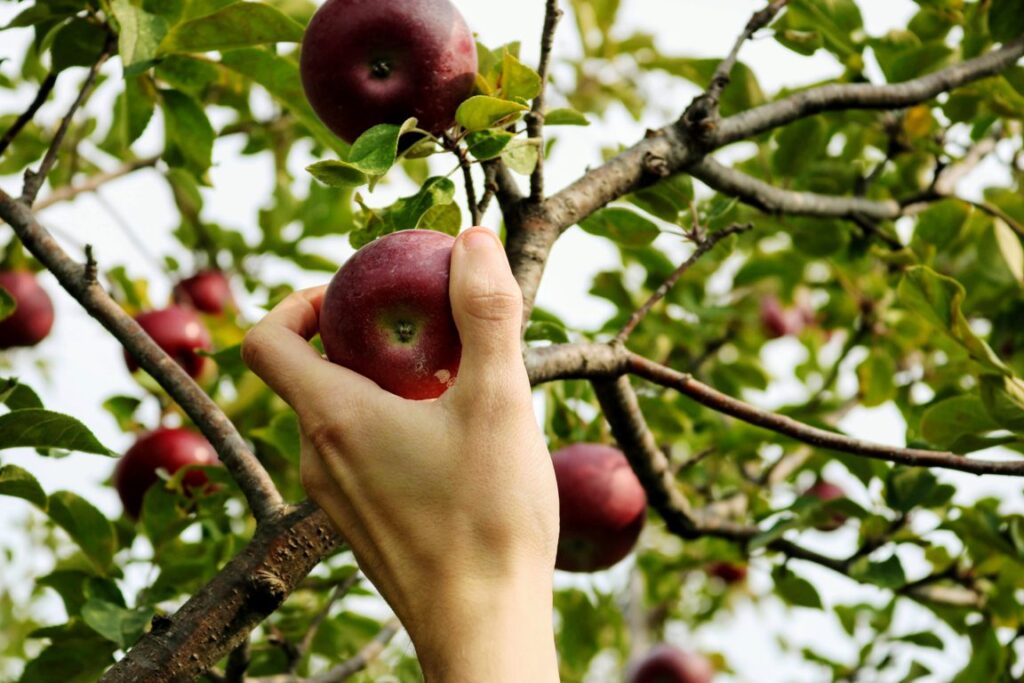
(84, 364)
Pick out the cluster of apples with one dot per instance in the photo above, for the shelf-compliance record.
(180, 332)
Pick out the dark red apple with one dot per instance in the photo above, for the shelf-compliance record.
(165, 448)
(180, 333)
(729, 573)
(826, 491)
(386, 314)
(208, 291)
(32, 318)
(366, 62)
(779, 321)
(602, 505)
(668, 664)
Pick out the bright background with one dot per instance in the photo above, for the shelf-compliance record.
(84, 365)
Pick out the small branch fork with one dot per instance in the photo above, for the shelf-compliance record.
(704, 245)
(535, 119)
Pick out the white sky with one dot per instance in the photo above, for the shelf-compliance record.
(84, 364)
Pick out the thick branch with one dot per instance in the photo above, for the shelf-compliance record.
(220, 616)
(865, 96)
(774, 200)
(253, 480)
(535, 119)
(26, 116)
(93, 183)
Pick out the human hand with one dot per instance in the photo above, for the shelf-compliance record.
(449, 505)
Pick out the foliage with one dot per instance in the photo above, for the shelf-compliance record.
(929, 323)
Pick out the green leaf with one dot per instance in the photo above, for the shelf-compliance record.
(521, 156)
(375, 150)
(519, 82)
(481, 111)
(943, 423)
(86, 526)
(941, 222)
(242, 24)
(189, 135)
(886, 574)
(795, 590)
(1004, 399)
(123, 408)
(1006, 19)
(18, 396)
(20, 483)
(139, 34)
(488, 144)
(1011, 249)
(622, 226)
(70, 660)
(800, 144)
(79, 43)
(938, 298)
(667, 198)
(280, 77)
(7, 304)
(38, 428)
(283, 434)
(922, 639)
(909, 487)
(336, 173)
(565, 117)
(446, 218)
(877, 378)
(116, 623)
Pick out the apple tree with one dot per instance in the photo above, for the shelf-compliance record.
(842, 221)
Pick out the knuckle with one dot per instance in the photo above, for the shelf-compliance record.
(327, 436)
(495, 304)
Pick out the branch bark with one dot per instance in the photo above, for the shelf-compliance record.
(263, 498)
(26, 116)
(535, 119)
(95, 182)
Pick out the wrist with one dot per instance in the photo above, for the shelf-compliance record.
(495, 630)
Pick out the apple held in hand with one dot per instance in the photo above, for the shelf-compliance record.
(367, 62)
(387, 315)
(180, 333)
(207, 291)
(165, 448)
(602, 506)
(32, 318)
(667, 664)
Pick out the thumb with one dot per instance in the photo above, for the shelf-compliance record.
(487, 305)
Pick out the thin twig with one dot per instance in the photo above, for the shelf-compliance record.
(705, 106)
(304, 645)
(23, 120)
(704, 245)
(238, 663)
(34, 179)
(535, 119)
(460, 153)
(68, 192)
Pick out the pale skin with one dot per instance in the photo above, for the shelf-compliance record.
(449, 505)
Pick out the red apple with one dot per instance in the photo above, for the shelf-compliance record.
(668, 664)
(825, 491)
(386, 314)
(208, 291)
(602, 505)
(364, 63)
(165, 448)
(32, 318)
(729, 573)
(180, 333)
(778, 321)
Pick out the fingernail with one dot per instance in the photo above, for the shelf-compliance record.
(479, 239)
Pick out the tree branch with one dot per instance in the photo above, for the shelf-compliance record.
(704, 245)
(704, 107)
(263, 498)
(346, 669)
(220, 616)
(535, 119)
(865, 96)
(23, 120)
(774, 200)
(605, 361)
(68, 192)
(34, 179)
(340, 591)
